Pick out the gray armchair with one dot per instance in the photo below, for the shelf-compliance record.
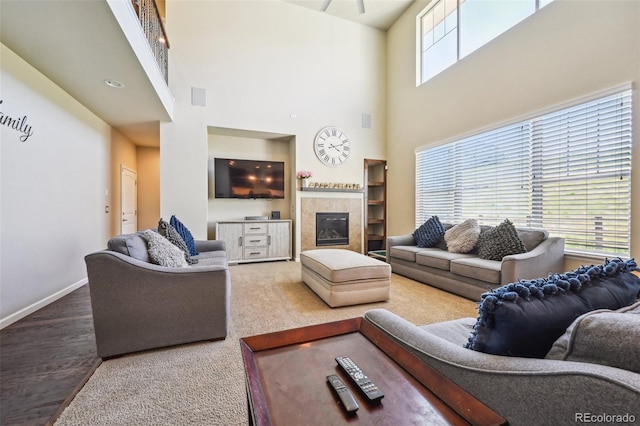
(526, 391)
(138, 305)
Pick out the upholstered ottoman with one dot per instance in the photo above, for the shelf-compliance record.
(344, 277)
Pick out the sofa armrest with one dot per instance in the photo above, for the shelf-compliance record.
(517, 387)
(546, 258)
(400, 240)
(210, 245)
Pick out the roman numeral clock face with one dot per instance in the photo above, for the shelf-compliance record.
(332, 146)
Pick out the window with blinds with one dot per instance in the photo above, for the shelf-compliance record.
(568, 172)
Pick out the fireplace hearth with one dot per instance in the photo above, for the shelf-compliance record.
(332, 229)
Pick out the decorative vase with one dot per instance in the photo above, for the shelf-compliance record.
(304, 182)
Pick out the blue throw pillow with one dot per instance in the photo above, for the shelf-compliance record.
(429, 233)
(185, 234)
(525, 318)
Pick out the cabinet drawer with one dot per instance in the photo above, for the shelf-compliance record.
(255, 241)
(255, 228)
(255, 253)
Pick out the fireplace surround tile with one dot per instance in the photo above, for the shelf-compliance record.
(309, 206)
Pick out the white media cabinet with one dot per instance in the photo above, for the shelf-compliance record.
(256, 240)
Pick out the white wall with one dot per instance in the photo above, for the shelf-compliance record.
(52, 190)
(568, 50)
(260, 62)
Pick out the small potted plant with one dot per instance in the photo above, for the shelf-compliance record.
(304, 176)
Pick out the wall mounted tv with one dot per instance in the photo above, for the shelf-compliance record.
(236, 178)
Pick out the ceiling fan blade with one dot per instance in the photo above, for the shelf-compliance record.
(325, 5)
(360, 6)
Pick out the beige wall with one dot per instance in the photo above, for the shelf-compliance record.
(251, 149)
(267, 66)
(566, 51)
(148, 163)
(123, 154)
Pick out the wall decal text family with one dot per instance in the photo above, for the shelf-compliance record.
(17, 124)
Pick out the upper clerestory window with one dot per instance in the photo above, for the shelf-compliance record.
(449, 30)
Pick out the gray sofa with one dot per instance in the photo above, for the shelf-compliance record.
(468, 275)
(525, 391)
(138, 305)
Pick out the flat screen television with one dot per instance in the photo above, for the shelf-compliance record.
(235, 178)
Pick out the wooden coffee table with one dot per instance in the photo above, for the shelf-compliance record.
(286, 380)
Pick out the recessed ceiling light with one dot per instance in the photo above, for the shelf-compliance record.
(114, 83)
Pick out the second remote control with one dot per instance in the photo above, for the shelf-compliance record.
(365, 384)
(348, 401)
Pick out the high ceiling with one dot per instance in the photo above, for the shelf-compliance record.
(379, 14)
(80, 44)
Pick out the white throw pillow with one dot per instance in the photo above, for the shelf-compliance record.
(162, 252)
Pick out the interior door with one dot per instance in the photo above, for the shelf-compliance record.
(129, 204)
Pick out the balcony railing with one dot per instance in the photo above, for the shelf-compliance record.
(153, 28)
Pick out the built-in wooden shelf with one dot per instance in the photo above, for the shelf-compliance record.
(375, 201)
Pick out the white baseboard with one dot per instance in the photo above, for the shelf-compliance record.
(4, 322)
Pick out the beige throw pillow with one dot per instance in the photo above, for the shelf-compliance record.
(463, 237)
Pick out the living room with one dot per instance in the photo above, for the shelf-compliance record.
(273, 67)
(351, 70)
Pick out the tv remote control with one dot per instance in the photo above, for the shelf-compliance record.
(348, 401)
(365, 384)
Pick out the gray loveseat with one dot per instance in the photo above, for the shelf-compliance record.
(138, 305)
(467, 274)
(525, 391)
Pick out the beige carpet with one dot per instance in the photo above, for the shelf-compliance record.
(203, 383)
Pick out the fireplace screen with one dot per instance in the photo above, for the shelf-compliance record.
(332, 229)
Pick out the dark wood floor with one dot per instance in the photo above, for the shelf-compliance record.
(45, 359)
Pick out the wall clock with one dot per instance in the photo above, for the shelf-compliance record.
(332, 146)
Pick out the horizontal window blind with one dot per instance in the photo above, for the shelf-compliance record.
(568, 172)
(582, 174)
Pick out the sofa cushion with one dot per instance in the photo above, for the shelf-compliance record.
(429, 233)
(485, 270)
(532, 237)
(132, 245)
(500, 241)
(525, 318)
(162, 252)
(405, 252)
(169, 232)
(438, 258)
(462, 238)
(602, 337)
(185, 234)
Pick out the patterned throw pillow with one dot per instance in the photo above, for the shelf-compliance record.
(162, 252)
(429, 233)
(169, 232)
(500, 241)
(185, 234)
(463, 237)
